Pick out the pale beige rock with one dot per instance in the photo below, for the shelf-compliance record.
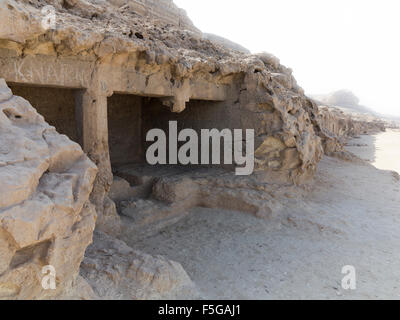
(116, 271)
(270, 144)
(149, 49)
(79, 290)
(346, 124)
(45, 215)
(341, 125)
(109, 221)
(144, 54)
(290, 158)
(174, 189)
(270, 59)
(5, 92)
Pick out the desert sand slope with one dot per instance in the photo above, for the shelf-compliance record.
(351, 216)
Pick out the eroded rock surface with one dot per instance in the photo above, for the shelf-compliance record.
(341, 126)
(151, 50)
(124, 50)
(345, 125)
(117, 272)
(46, 217)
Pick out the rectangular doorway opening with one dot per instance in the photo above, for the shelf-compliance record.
(131, 117)
(124, 129)
(58, 106)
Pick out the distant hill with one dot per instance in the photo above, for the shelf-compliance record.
(225, 42)
(343, 98)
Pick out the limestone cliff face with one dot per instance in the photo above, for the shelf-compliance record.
(341, 115)
(164, 11)
(339, 126)
(148, 49)
(120, 50)
(345, 125)
(45, 214)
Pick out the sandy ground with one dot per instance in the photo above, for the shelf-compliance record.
(382, 150)
(351, 217)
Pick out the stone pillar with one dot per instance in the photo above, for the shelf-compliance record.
(93, 109)
(92, 106)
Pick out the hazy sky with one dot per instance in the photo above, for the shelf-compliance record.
(330, 44)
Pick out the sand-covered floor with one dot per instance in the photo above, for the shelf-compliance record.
(350, 217)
